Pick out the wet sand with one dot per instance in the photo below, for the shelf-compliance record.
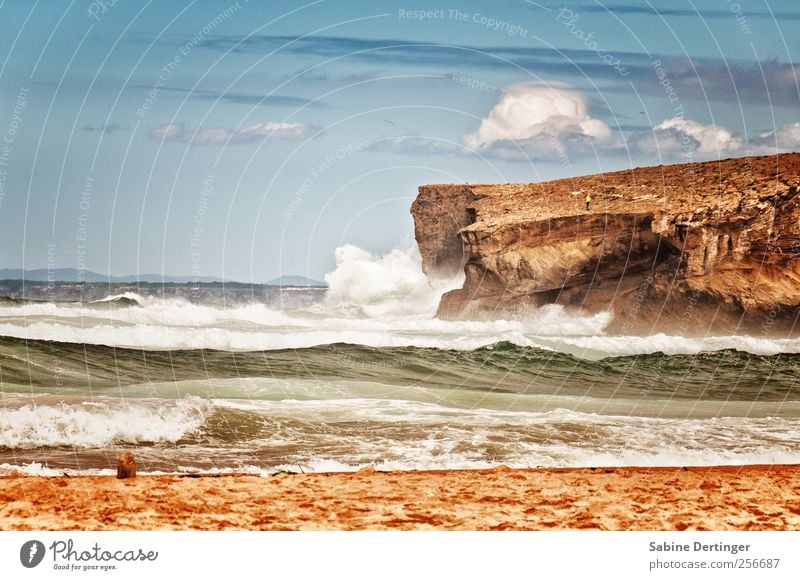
(708, 498)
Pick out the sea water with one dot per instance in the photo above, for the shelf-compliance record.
(367, 376)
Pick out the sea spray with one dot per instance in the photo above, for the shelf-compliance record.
(389, 285)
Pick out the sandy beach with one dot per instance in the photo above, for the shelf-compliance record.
(755, 497)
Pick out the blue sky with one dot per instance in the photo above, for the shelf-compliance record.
(250, 139)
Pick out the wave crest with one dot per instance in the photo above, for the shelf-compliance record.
(99, 424)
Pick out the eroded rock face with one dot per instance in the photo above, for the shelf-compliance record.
(440, 213)
(697, 248)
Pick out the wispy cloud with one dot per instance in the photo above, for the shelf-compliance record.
(432, 54)
(256, 133)
(763, 82)
(672, 11)
(103, 128)
(247, 99)
(712, 78)
(413, 144)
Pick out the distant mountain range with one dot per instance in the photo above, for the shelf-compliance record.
(297, 281)
(75, 275)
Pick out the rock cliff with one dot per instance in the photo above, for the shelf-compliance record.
(695, 249)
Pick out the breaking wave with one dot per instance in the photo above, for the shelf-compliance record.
(101, 423)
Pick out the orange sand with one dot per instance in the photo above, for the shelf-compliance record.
(716, 498)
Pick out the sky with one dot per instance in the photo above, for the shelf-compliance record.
(249, 140)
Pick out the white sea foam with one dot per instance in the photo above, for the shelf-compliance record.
(432, 455)
(670, 344)
(380, 286)
(33, 468)
(102, 423)
(37, 469)
(424, 435)
(455, 335)
(126, 295)
(659, 445)
(347, 434)
(152, 311)
(373, 300)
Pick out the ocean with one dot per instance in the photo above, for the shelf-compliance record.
(365, 375)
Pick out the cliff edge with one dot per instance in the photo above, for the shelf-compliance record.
(700, 248)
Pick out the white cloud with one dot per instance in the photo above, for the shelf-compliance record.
(207, 136)
(167, 132)
(786, 138)
(258, 132)
(687, 140)
(538, 120)
(690, 139)
(274, 132)
(552, 122)
(705, 139)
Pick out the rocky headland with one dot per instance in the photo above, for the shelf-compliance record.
(699, 248)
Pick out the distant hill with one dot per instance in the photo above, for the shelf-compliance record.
(300, 281)
(73, 275)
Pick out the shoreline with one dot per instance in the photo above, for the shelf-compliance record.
(740, 497)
